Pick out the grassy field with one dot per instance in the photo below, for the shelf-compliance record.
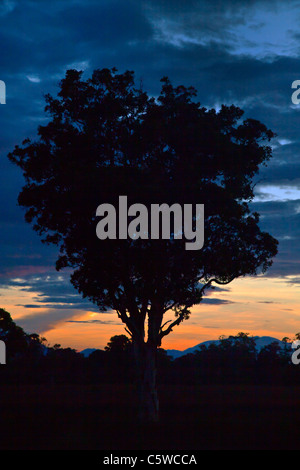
(103, 417)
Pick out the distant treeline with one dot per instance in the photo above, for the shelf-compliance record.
(233, 360)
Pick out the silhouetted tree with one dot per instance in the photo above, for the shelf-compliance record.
(286, 351)
(106, 138)
(118, 343)
(240, 352)
(270, 362)
(119, 358)
(14, 336)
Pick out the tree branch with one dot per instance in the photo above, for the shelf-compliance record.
(208, 284)
(181, 316)
(178, 320)
(169, 321)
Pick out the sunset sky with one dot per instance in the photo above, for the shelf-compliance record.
(242, 53)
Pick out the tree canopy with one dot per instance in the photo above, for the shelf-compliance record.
(107, 138)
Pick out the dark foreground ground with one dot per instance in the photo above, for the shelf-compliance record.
(102, 418)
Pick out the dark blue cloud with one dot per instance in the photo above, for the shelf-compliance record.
(215, 301)
(50, 291)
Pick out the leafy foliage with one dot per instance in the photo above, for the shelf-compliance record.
(106, 138)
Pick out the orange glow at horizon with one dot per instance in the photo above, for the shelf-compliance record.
(259, 306)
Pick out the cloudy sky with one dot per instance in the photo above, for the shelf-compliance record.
(243, 53)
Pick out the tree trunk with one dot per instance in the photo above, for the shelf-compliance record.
(145, 360)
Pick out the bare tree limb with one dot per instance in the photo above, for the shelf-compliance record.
(169, 321)
(128, 331)
(178, 320)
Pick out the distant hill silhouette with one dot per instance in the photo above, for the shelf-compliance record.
(260, 342)
(87, 352)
